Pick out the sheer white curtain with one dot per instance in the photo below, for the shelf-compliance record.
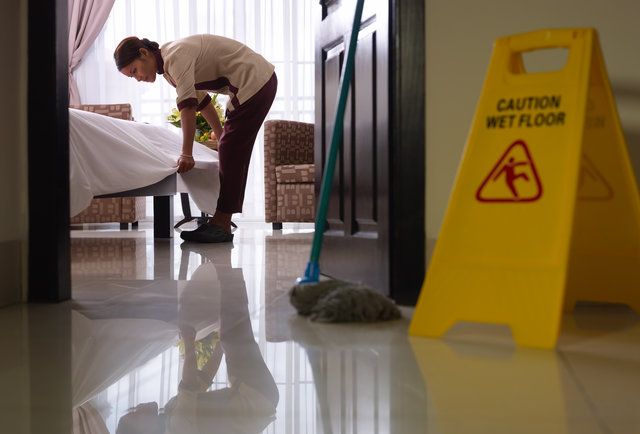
(280, 30)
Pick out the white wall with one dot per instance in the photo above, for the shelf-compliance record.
(459, 37)
(13, 151)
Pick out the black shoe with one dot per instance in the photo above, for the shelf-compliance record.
(186, 234)
(207, 234)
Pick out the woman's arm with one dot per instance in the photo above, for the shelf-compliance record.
(211, 115)
(188, 124)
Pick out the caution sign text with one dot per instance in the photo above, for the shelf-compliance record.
(527, 112)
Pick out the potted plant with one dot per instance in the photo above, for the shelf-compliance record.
(204, 134)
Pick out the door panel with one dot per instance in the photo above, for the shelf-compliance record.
(375, 223)
(363, 153)
(333, 57)
(354, 246)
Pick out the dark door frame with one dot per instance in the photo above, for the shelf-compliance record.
(49, 268)
(407, 72)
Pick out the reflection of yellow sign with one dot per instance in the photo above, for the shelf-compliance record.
(494, 390)
(545, 208)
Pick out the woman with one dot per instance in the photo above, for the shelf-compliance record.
(195, 65)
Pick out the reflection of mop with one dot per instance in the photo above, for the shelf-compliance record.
(333, 300)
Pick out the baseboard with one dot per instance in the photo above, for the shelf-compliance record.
(10, 272)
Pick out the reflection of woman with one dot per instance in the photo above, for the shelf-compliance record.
(248, 405)
(197, 64)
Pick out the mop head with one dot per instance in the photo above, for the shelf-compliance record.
(338, 301)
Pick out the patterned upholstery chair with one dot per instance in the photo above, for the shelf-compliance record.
(123, 210)
(289, 175)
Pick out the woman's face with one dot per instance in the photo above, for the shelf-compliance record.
(143, 68)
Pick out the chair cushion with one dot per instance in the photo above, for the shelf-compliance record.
(295, 173)
(296, 202)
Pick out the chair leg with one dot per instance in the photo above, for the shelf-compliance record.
(277, 226)
(124, 226)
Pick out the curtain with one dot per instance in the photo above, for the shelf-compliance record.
(280, 30)
(86, 20)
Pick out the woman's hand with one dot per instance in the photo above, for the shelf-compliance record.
(211, 115)
(185, 163)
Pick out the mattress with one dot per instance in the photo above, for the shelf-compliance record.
(109, 155)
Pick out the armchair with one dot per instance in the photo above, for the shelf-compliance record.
(288, 172)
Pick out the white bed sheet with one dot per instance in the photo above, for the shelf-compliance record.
(109, 155)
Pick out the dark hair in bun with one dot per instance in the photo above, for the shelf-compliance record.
(128, 50)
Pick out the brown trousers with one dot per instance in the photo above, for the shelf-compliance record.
(236, 144)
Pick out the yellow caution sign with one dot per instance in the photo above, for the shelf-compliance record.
(545, 210)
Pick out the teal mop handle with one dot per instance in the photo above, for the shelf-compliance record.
(329, 168)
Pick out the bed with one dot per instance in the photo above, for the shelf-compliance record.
(110, 157)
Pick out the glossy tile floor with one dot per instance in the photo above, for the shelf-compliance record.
(169, 337)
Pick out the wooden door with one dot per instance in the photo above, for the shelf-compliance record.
(379, 177)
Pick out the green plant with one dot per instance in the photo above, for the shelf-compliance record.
(203, 130)
(204, 348)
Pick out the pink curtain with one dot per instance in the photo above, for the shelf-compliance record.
(86, 19)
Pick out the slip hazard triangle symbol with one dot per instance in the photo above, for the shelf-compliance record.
(592, 185)
(514, 177)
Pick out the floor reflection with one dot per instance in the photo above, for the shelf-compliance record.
(203, 339)
(220, 349)
(120, 343)
(478, 381)
(109, 258)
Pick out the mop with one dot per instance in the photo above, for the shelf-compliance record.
(336, 300)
